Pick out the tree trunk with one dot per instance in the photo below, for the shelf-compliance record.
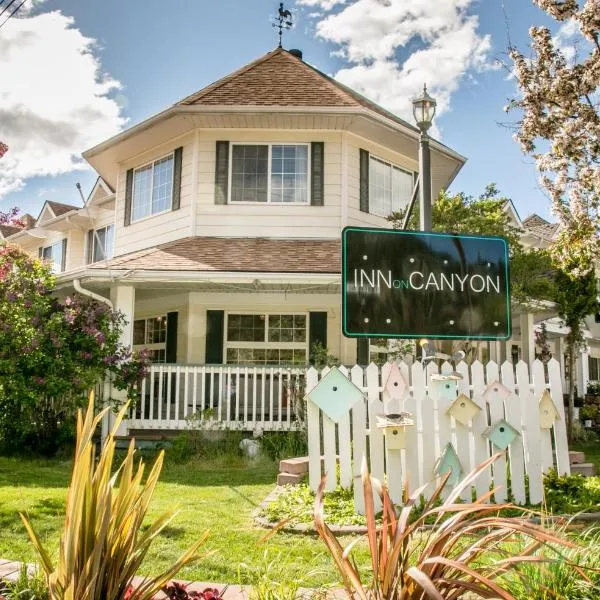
(571, 410)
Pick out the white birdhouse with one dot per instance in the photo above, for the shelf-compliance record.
(463, 409)
(394, 428)
(548, 411)
(395, 385)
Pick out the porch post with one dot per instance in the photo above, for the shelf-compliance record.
(527, 341)
(582, 366)
(123, 298)
(560, 351)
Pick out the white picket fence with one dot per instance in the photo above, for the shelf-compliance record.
(531, 454)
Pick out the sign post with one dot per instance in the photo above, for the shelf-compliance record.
(408, 284)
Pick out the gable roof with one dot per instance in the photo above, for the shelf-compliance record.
(280, 78)
(540, 227)
(256, 255)
(58, 208)
(7, 230)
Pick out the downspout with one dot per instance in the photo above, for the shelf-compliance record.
(91, 294)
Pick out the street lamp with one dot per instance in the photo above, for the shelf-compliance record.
(424, 111)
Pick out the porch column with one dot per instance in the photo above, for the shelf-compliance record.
(582, 368)
(527, 341)
(560, 357)
(123, 298)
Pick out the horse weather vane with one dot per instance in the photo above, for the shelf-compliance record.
(282, 21)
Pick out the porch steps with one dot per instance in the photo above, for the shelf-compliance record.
(578, 464)
(292, 471)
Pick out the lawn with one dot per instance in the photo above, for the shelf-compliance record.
(592, 452)
(218, 495)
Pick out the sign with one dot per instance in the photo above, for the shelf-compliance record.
(409, 284)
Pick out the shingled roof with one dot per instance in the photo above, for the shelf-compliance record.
(60, 209)
(280, 78)
(7, 230)
(540, 227)
(234, 255)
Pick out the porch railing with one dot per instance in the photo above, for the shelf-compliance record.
(220, 397)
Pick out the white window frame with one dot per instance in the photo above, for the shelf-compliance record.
(139, 167)
(90, 251)
(269, 173)
(157, 346)
(392, 166)
(59, 243)
(266, 345)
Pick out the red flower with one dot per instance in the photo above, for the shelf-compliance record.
(128, 593)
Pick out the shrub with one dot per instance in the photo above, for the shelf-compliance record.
(103, 542)
(26, 587)
(567, 494)
(278, 445)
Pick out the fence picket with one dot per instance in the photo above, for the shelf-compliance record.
(313, 433)
(427, 426)
(444, 425)
(345, 444)
(560, 426)
(480, 423)
(464, 432)
(376, 450)
(359, 446)
(538, 378)
(496, 408)
(412, 453)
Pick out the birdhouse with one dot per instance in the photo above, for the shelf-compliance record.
(445, 385)
(502, 434)
(463, 409)
(548, 411)
(449, 462)
(395, 385)
(394, 428)
(335, 395)
(496, 389)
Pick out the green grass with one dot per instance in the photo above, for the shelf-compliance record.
(217, 495)
(592, 452)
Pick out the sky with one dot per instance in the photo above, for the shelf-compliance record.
(75, 72)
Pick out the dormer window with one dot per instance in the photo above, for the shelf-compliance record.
(269, 173)
(152, 188)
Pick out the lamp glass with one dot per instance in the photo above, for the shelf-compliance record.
(424, 110)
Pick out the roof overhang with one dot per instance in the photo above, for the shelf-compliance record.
(178, 121)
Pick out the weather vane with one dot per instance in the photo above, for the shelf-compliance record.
(282, 21)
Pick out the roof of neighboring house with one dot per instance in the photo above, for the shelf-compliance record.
(539, 226)
(256, 255)
(7, 230)
(60, 209)
(280, 78)
(534, 220)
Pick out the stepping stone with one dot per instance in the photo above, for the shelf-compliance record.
(585, 469)
(295, 466)
(290, 478)
(576, 458)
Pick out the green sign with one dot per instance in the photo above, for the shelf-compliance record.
(408, 284)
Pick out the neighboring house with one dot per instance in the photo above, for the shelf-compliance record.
(214, 226)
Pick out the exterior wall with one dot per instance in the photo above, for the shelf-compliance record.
(267, 220)
(157, 229)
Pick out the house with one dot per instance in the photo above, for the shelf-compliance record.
(214, 226)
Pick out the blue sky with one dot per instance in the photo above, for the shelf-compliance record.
(160, 53)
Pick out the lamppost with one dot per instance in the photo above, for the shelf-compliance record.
(424, 111)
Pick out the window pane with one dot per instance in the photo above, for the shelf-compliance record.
(289, 173)
(139, 332)
(99, 244)
(54, 255)
(380, 188)
(402, 188)
(109, 248)
(249, 170)
(141, 202)
(162, 185)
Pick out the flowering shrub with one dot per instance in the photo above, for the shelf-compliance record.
(178, 591)
(52, 353)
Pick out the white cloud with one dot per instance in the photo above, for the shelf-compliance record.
(438, 41)
(55, 101)
(568, 38)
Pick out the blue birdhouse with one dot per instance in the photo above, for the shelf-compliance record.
(445, 385)
(449, 462)
(335, 395)
(395, 385)
(502, 434)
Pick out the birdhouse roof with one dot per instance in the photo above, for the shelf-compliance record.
(546, 400)
(496, 426)
(464, 398)
(403, 419)
(446, 377)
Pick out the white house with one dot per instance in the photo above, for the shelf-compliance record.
(214, 226)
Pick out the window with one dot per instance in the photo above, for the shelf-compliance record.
(54, 254)
(102, 243)
(261, 339)
(594, 368)
(151, 334)
(390, 188)
(276, 173)
(152, 188)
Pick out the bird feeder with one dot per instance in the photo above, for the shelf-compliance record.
(548, 411)
(463, 409)
(335, 395)
(394, 429)
(449, 462)
(502, 434)
(395, 385)
(496, 389)
(445, 385)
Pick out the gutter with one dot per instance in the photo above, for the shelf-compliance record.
(84, 292)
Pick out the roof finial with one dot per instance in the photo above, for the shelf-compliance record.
(282, 21)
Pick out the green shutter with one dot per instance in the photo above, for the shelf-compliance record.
(362, 351)
(128, 196)
(215, 320)
(63, 258)
(317, 331)
(364, 181)
(171, 341)
(221, 172)
(177, 178)
(41, 251)
(90, 246)
(317, 173)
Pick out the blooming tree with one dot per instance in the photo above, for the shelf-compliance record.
(560, 126)
(52, 353)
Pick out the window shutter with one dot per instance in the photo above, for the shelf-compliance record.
(177, 178)
(215, 320)
(41, 251)
(362, 351)
(221, 172)
(317, 177)
(364, 181)
(128, 196)
(90, 246)
(63, 259)
(171, 341)
(317, 331)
